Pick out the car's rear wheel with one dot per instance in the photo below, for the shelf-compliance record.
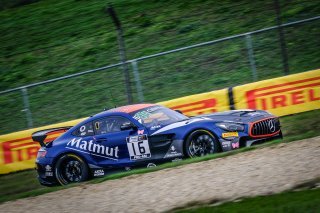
(199, 143)
(70, 168)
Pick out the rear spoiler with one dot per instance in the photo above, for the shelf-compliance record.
(41, 135)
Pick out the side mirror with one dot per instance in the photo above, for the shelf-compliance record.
(127, 126)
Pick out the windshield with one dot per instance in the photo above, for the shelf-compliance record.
(156, 116)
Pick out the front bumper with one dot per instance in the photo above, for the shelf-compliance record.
(263, 140)
(245, 141)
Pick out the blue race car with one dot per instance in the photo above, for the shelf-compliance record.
(144, 135)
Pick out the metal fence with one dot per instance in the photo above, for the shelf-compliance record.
(216, 64)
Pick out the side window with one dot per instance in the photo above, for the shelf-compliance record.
(84, 130)
(109, 124)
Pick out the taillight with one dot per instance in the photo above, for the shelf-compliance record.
(42, 152)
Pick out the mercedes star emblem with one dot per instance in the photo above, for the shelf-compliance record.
(272, 125)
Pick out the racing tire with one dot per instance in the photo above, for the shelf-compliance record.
(70, 168)
(199, 143)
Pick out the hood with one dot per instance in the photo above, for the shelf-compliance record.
(240, 116)
(184, 123)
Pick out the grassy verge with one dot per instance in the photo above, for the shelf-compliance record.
(24, 184)
(295, 201)
(53, 38)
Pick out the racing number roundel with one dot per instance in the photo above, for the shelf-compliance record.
(138, 147)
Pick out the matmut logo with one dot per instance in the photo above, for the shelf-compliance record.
(285, 94)
(89, 147)
(198, 107)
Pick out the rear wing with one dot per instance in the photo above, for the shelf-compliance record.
(41, 135)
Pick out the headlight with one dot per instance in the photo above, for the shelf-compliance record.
(232, 127)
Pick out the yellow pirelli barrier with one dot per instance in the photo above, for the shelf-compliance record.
(215, 101)
(18, 151)
(281, 96)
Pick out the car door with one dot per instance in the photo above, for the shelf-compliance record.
(111, 142)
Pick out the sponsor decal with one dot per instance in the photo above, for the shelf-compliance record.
(48, 168)
(99, 172)
(173, 152)
(176, 160)
(92, 148)
(230, 134)
(235, 145)
(141, 115)
(140, 132)
(97, 125)
(48, 174)
(138, 147)
(83, 128)
(145, 114)
(226, 144)
(87, 129)
(155, 127)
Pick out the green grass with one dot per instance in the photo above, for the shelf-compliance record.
(21, 184)
(302, 125)
(298, 201)
(52, 38)
(24, 184)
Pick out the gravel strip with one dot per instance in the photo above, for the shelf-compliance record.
(258, 172)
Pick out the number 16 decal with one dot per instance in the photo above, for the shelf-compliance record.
(138, 147)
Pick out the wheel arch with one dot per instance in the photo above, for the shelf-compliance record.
(56, 158)
(54, 162)
(196, 129)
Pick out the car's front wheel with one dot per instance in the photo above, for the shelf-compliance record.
(199, 143)
(70, 168)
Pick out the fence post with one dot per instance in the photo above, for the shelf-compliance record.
(27, 106)
(251, 57)
(134, 64)
(122, 51)
(282, 39)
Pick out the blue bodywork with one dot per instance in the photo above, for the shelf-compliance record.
(144, 145)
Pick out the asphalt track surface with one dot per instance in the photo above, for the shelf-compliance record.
(259, 172)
